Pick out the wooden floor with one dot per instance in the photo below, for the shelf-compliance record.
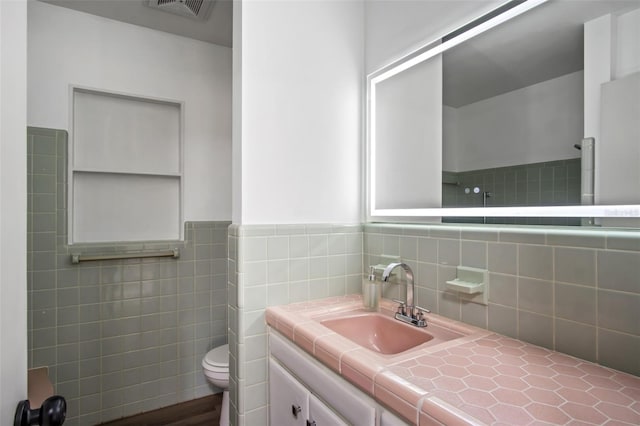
(198, 412)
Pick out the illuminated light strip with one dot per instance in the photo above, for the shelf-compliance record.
(555, 211)
(485, 26)
(372, 149)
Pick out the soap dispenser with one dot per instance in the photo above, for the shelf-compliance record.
(371, 291)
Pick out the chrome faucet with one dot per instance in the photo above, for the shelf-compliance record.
(407, 311)
(410, 284)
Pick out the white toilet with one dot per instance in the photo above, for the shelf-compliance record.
(215, 365)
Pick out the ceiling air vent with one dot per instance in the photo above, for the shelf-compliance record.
(197, 9)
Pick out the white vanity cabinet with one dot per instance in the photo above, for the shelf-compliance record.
(388, 419)
(289, 400)
(294, 405)
(323, 396)
(321, 415)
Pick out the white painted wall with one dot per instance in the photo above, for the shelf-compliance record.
(13, 207)
(408, 134)
(397, 27)
(450, 149)
(620, 131)
(628, 44)
(236, 116)
(69, 47)
(299, 139)
(538, 123)
(612, 51)
(598, 51)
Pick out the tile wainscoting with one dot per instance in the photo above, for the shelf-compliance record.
(276, 265)
(122, 336)
(576, 292)
(126, 336)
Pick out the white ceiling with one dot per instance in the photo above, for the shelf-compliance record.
(216, 29)
(544, 43)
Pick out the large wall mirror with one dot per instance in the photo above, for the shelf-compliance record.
(527, 115)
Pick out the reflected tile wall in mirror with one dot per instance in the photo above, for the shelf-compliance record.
(538, 184)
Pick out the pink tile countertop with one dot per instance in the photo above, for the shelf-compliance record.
(481, 378)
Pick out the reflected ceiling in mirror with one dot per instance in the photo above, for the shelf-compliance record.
(485, 125)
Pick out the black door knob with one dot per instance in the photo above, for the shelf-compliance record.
(52, 412)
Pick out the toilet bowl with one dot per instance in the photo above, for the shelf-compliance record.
(215, 366)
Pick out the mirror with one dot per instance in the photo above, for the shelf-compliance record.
(507, 120)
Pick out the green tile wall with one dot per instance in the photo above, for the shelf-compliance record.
(119, 337)
(553, 183)
(577, 292)
(125, 336)
(274, 265)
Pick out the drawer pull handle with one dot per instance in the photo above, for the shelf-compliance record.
(295, 409)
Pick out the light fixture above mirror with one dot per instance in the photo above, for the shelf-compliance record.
(416, 173)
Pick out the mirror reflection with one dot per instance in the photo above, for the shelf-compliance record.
(517, 103)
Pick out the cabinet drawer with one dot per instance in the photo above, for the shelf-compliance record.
(321, 415)
(289, 400)
(344, 398)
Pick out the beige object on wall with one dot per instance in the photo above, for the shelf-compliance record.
(39, 386)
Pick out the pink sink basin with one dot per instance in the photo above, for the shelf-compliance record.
(386, 335)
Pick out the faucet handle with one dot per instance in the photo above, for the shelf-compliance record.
(422, 310)
(402, 309)
(421, 321)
